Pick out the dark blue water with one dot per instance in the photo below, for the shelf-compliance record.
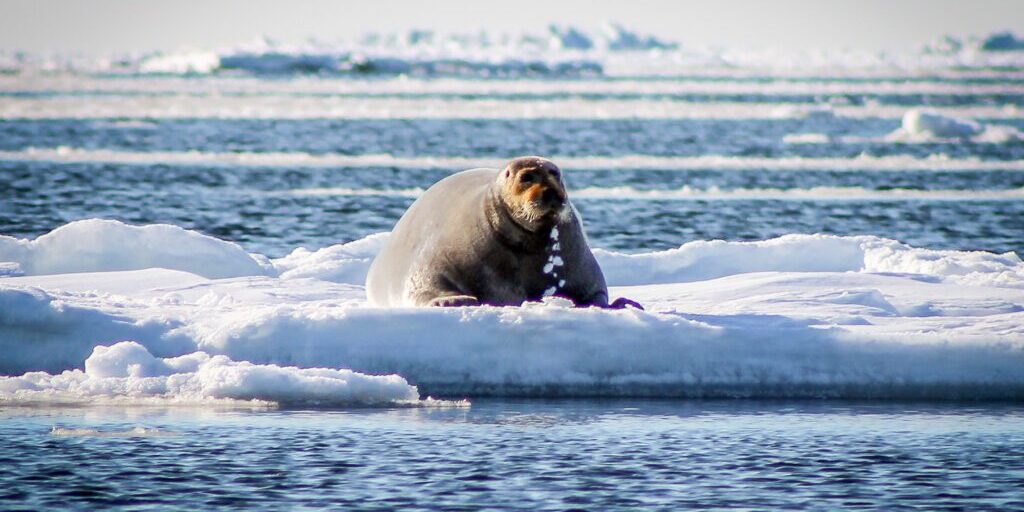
(522, 455)
(253, 206)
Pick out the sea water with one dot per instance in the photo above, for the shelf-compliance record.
(317, 153)
(520, 455)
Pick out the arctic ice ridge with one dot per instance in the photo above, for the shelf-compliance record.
(99, 311)
(557, 51)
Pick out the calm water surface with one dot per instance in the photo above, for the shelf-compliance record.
(527, 455)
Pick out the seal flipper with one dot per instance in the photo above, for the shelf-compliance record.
(452, 301)
(623, 303)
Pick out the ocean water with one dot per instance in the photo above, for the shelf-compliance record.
(282, 150)
(519, 455)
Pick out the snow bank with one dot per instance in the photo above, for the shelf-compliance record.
(343, 263)
(796, 316)
(703, 260)
(107, 245)
(127, 372)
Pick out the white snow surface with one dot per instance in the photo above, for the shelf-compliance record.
(795, 316)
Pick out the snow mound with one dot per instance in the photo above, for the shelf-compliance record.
(106, 245)
(703, 260)
(127, 372)
(342, 263)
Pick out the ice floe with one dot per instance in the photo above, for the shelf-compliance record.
(861, 162)
(127, 372)
(796, 316)
(929, 126)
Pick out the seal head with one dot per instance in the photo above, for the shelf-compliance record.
(534, 193)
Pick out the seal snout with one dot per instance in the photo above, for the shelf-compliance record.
(552, 197)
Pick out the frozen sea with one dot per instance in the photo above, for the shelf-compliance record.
(827, 247)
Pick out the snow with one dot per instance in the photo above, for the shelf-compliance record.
(796, 316)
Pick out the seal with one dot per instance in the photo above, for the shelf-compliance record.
(489, 236)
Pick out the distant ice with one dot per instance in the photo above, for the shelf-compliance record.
(796, 316)
(918, 122)
(556, 50)
(861, 162)
(929, 126)
(806, 138)
(1002, 41)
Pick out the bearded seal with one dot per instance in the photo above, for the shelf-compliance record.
(489, 236)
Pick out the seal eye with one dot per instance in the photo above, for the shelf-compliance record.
(526, 177)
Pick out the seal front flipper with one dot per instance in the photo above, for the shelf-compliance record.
(623, 303)
(452, 301)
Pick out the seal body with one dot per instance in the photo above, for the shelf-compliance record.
(489, 236)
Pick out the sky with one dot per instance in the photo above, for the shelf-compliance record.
(106, 26)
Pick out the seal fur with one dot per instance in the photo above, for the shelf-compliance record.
(488, 236)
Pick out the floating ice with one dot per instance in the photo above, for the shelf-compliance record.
(199, 62)
(127, 372)
(862, 162)
(806, 138)
(918, 122)
(796, 316)
(928, 126)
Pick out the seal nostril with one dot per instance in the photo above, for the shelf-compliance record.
(552, 196)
